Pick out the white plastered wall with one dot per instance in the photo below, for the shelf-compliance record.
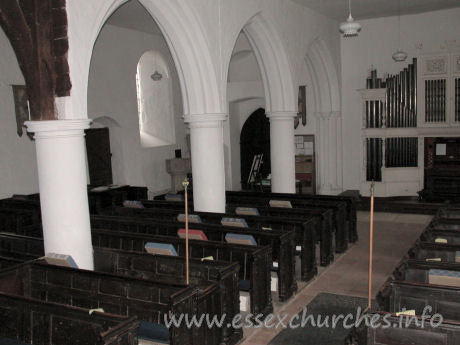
(377, 41)
(18, 165)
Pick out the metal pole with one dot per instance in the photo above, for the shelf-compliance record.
(371, 247)
(187, 273)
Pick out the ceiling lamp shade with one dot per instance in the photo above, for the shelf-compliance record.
(399, 56)
(350, 27)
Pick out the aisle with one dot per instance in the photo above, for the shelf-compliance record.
(394, 235)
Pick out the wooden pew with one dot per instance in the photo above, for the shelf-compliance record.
(448, 333)
(325, 218)
(255, 262)
(169, 269)
(305, 230)
(282, 243)
(333, 199)
(339, 208)
(31, 321)
(341, 224)
(433, 235)
(349, 201)
(99, 198)
(419, 271)
(150, 301)
(14, 219)
(432, 252)
(393, 296)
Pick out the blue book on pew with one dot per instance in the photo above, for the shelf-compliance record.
(192, 218)
(160, 248)
(247, 240)
(247, 211)
(174, 197)
(236, 222)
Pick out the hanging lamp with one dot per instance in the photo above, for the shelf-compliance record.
(399, 55)
(350, 27)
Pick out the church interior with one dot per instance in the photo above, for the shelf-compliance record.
(251, 161)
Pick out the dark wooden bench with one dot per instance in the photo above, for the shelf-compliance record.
(396, 295)
(349, 201)
(448, 333)
(433, 235)
(339, 208)
(99, 200)
(341, 224)
(324, 234)
(305, 229)
(417, 271)
(255, 262)
(282, 243)
(429, 251)
(14, 219)
(169, 269)
(31, 321)
(150, 301)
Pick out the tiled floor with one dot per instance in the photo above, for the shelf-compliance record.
(348, 275)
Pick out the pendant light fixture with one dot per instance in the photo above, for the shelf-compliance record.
(350, 27)
(399, 55)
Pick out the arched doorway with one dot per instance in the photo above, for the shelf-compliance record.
(131, 36)
(254, 140)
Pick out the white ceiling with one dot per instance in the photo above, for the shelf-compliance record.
(365, 9)
(133, 15)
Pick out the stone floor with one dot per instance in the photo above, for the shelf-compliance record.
(348, 275)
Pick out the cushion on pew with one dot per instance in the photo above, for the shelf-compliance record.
(441, 240)
(160, 248)
(444, 277)
(174, 197)
(193, 234)
(192, 218)
(240, 239)
(236, 222)
(133, 204)
(280, 203)
(100, 189)
(247, 211)
(60, 260)
(154, 332)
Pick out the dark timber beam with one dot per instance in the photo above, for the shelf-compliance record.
(37, 30)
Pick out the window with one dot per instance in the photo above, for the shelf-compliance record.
(155, 101)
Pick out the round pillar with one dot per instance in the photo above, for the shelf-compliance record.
(208, 167)
(61, 160)
(282, 153)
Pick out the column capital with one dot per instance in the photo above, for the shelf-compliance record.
(281, 115)
(57, 128)
(205, 120)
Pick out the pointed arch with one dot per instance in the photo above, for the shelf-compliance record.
(187, 44)
(273, 62)
(323, 78)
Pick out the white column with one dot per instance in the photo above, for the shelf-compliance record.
(208, 167)
(330, 153)
(282, 153)
(61, 160)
